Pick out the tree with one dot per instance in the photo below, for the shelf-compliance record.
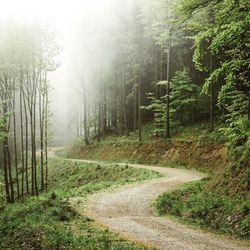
(221, 48)
(27, 53)
(185, 98)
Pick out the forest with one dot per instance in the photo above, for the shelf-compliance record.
(124, 120)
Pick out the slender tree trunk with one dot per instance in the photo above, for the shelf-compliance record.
(32, 154)
(41, 120)
(34, 143)
(15, 146)
(85, 122)
(167, 129)
(46, 134)
(95, 116)
(22, 137)
(161, 73)
(156, 84)
(7, 152)
(26, 142)
(211, 97)
(104, 111)
(99, 121)
(124, 101)
(116, 107)
(139, 104)
(88, 118)
(6, 174)
(135, 109)
(156, 72)
(211, 101)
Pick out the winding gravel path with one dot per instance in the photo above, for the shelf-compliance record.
(128, 211)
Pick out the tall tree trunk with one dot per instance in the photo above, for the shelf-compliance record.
(85, 122)
(21, 136)
(41, 121)
(211, 89)
(156, 72)
(32, 154)
(211, 97)
(46, 134)
(15, 145)
(6, 174)
(104, 111)
(135, 109)
(167, 129)
(139, 104)
(88, 118)
(95, 116)
(8, 158)
(124, 101)
(26, 141)
(156, 84)
(161, 72)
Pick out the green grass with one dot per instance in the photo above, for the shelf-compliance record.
(49, 222)
(81, 179)
(199, 206)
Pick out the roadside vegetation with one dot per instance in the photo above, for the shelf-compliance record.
(157, 82)
(219, 203)
(201, 206)
(51, 222)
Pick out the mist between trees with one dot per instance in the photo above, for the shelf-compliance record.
(175, 63)
(26, 57)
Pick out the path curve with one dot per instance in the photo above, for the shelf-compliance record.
(128, 210)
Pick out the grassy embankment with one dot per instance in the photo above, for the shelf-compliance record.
(49, 222)
(220, 203)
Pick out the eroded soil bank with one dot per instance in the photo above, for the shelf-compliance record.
(173, 153)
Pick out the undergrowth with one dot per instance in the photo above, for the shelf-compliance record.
(198, 205)
(49, 222)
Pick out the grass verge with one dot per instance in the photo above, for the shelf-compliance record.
(195, 204)
(49, 222)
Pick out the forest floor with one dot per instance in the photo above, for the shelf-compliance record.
(219, 203)
(129, 211)
(50, 222)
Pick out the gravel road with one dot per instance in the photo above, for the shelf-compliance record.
(128, 210)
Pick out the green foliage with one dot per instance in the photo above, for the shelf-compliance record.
(46, 223)
(197, 205)
(186, 101)
(2, 134)
(78, 178)
(221, 50)
(3, 121)
(158, 106)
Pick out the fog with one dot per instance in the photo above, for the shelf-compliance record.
(80, 27)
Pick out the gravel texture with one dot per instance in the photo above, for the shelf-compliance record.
(128, 210)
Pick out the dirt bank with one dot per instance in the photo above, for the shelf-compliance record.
(173, 153)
